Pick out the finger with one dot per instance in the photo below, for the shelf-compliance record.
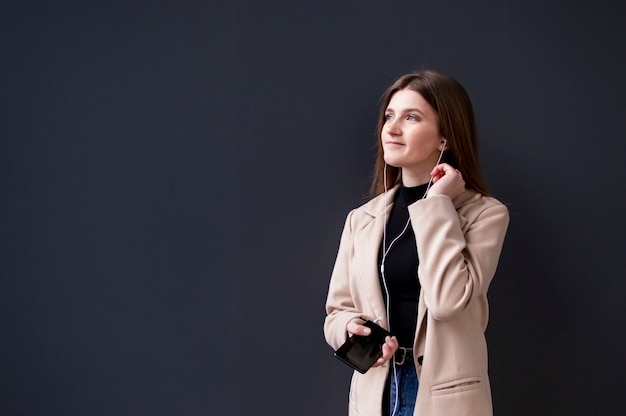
(355, 327)
(450, 171)
(392, 343)
(386, 355)
(386, 352)
(447, 169)
(437, 174)
(389, 348)
(437, 171)
(379, 362)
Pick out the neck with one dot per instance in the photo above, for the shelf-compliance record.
(410, 179)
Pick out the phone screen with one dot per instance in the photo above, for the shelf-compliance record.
(361, 352)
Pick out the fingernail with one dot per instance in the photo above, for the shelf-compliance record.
(366, 331)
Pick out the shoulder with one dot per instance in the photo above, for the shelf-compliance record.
(473, 205)
(363, 215)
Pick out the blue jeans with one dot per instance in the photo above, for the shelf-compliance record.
(406, 378)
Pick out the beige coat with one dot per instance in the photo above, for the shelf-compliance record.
(459, 244)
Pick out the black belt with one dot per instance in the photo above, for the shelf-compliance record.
(404, 356)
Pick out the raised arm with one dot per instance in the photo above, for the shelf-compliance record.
(458, 251)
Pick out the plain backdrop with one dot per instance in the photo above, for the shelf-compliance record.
(174, 178)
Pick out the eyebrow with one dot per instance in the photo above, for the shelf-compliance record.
(407, 110)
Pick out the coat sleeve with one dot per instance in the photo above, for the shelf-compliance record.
(458, 253)
(340, 306)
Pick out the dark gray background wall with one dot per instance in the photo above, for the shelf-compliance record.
(174, 178)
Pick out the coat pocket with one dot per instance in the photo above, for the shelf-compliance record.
(456, 386)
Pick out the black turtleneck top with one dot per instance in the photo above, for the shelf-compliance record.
(400, 268)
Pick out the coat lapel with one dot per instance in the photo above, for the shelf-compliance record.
(367, 243)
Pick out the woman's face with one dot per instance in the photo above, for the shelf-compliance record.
(410, 136)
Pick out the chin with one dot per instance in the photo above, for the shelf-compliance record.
(392, 162)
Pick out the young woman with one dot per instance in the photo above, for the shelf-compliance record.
(418, 258)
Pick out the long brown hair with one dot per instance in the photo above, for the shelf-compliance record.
(456, 123)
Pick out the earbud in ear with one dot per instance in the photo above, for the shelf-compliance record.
(444, 142)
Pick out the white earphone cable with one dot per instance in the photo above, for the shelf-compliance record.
(382, 266)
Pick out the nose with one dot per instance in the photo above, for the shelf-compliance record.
(392, 128)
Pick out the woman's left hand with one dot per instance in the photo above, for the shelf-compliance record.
(389, 349)
(446, 181)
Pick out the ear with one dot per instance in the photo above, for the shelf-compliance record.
(444, 144)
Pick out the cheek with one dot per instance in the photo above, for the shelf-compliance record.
(425, 139)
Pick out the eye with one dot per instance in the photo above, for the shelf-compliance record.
(412, 117)
(388, 117)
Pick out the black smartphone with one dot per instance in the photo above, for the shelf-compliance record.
(361, 352)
